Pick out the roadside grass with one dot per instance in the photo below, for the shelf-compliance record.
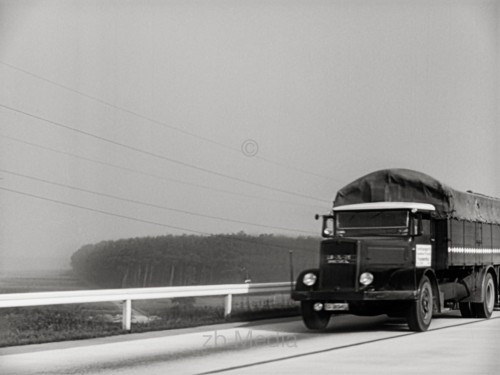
(33, 325)
(192, 312)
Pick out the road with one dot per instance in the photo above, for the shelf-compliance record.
(351, 345)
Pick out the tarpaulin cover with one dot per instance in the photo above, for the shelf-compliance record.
(404, 185)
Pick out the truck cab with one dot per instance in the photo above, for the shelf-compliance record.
(368, 262)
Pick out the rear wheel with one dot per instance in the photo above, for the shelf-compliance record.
(419, 314)
(316, 320)
(485, 309)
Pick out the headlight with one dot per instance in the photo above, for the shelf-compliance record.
(309, 279)
(366, 278)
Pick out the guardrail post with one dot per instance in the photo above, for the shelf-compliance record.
(127, 315)
(228, 305)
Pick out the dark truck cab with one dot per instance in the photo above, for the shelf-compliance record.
(387, 251)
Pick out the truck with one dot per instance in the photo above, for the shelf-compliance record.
(401, 243)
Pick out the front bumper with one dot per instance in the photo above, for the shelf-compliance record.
(381, 295)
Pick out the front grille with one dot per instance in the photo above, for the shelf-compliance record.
(338, 265)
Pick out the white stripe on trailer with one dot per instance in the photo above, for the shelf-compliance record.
(472, 250)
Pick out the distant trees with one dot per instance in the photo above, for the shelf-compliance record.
(193, 260)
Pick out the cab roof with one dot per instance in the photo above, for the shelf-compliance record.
(386, 206)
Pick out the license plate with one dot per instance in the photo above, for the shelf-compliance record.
(336, 306)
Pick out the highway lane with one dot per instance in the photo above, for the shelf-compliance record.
(351, 345)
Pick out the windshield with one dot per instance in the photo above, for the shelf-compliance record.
(364, 223)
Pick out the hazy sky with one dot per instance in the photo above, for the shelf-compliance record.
(132, 118)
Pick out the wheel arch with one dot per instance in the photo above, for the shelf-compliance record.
(411, 278)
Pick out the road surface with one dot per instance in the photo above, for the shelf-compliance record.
(351, 345)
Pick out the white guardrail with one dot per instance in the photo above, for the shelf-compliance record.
(126, 296)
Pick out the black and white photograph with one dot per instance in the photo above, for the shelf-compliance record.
(249, 187)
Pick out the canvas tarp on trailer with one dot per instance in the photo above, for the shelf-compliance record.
(404, 185)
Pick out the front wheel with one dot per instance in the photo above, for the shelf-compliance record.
(419, 314)
(316, 320)
(485, 309)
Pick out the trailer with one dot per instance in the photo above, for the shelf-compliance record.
(401, 243)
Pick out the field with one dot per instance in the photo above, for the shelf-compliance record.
(43, 281)
(29, 325)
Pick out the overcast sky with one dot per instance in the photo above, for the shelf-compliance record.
(141, 118)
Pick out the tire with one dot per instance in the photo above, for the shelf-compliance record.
(316, 320)
(466, 310)
(484, 309)
(419, 314)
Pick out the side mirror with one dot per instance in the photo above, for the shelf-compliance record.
(416, 225)
(327, 228)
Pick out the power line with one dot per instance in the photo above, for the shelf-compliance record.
(160, 123)
(134, 218)
(150, 204)
(101, 211)
(132, 170)
(158, 156)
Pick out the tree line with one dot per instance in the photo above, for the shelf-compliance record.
(193, 260)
